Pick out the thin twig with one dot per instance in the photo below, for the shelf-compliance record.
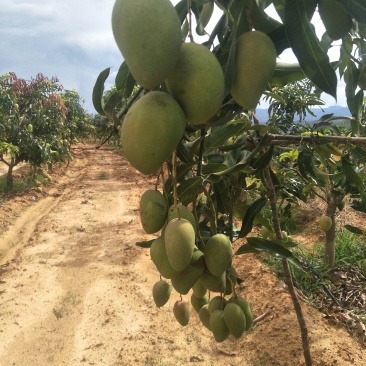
(261, 317)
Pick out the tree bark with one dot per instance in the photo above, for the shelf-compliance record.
(287, 271)
(329, 252)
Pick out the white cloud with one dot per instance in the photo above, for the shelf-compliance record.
(70, 39)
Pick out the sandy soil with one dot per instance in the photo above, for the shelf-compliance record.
(75, 290)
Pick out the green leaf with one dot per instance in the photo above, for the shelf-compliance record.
(264, 160)
(350, 173)
(145, 244)
(286, 73)
(222, 196)
(122, 76)
(260, 19)
(111, 103)
(183, 169)
(98, 91)
(354, 229)
(213, 168)
(222, 134)
(182, 10)
(236, 7)
(306, 47)
(256, 244)
(183, 153)
(357, 8)
(358, 153)
(187, 189)
(262, 129)
(326, 125)
(252, 211)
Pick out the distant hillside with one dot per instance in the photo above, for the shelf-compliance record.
(262, 114)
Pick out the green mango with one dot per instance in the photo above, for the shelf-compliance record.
(198, 302)
(153, 211)
(161, 293)
(197, 82)
(179, 240)
(217, 303)
(218, 326)
(245, 307)
(235, 319)
(218, 253)
(182, 312)
(183, 281)
(160, 259)
(181, 211)
(151, 131)
(149, 37)
(199, 289)
(214, 283)
(325, 223)
(336, 20)
(204, 316)
(255, 61)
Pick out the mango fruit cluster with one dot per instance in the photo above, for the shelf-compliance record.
(185, 81)
(191, 270)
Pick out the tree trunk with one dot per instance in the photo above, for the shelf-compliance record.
(329, 253)
(9, 176)
(286, 267)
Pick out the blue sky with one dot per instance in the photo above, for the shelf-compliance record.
(69, 39)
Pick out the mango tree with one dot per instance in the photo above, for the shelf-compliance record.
(189, 121)
(33, 121)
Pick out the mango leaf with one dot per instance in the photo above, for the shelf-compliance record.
(213, 168)
(350, 173)
(260, 19)
(111, 103)
(357, 8)
(145, 244)
(218, 31)
(239, 209)
(252, 211)
(187, 189)
(256, 245)
(286, 73)
(306, 47)
(354, 229)
(183, 153)
(183, 169)
(358, 153)
(351, 76)
(238, 12)
(264, 160)
(124, 80)
(222, 196)
(237, 8)
(182, 10)
(98, 91)
(326, 125)
(221, 135)
(305, 166)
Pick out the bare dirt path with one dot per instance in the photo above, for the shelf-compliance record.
(75, 290)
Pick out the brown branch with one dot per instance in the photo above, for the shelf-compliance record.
(261, 317)
(287, 271)
(315, 139)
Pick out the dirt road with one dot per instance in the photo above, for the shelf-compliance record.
(75, 290)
